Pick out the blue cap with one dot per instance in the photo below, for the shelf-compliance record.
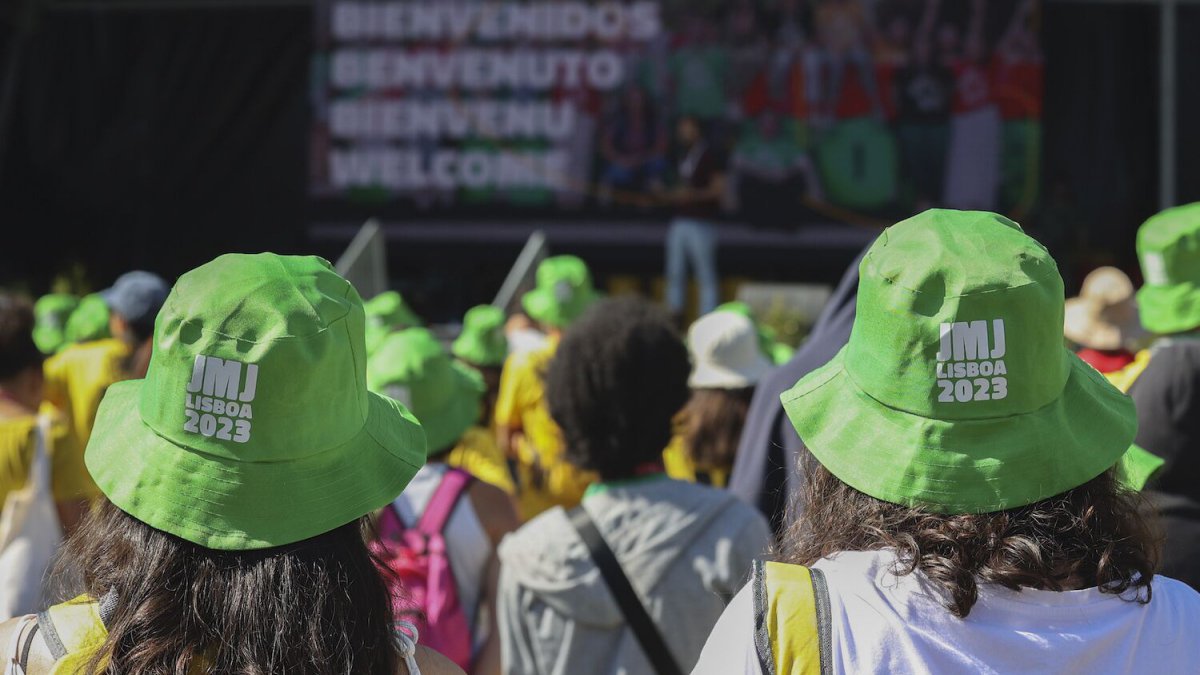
(137, 296)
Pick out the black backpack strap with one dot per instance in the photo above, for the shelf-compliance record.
(25, 646)
(639, 620)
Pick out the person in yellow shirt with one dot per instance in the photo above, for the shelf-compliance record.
(524, 429)
(482, 346)
(78, 376)
(21, 386)
(727, 363)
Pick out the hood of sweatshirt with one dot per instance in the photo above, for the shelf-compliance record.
(649, 525)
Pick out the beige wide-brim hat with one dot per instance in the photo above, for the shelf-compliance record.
(1105, 315)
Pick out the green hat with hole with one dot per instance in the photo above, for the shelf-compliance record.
(482, 342)
(51, 313)
(1168, 247)
(387, 312)
(253, 427)
(955, 392)
(89, 321)
(563, 292)
(411, 366)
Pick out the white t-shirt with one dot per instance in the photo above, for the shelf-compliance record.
(888, 624)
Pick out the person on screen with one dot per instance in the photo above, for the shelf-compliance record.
(973, 164)
(633, 144)
(924, 89)
(772, 171)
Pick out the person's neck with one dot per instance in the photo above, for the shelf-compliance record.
(138, 360)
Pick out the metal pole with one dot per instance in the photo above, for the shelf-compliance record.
(1166, 104)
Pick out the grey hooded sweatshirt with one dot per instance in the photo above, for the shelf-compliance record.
(687, 549)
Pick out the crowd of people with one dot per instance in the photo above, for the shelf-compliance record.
(252, 470)
(944, 97)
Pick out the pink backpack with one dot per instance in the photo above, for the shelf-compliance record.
(422, 586)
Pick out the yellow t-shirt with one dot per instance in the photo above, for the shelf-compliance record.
(78, 376)
(69, 479)
(546, 479)
(478, 455)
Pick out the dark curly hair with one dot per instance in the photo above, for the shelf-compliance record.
(614, 385)
(17, 349)
(1089, 536)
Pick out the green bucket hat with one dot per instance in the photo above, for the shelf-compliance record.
(253, 427)
(955, 392)
(564, 290)
(1168, 247)
(51, 313)
(411, 366)
(482, 342)
(89, 321)
(387, 312)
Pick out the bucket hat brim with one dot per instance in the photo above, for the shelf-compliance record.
(48, 340)
(714, 376)
(541, 305)
(446, 426)
(1169, 309)
(221, 503)
(478, 352)
(961, 466)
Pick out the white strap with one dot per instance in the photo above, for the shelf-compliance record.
(39, 473)
(406, 639)
(13, 667)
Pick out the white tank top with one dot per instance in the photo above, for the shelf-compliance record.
(467, 544)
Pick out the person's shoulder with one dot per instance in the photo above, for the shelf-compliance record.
(40, 659)
(1177, 362)
(735, 515)
(433, 663)
(84, 355)
(1176, 596)
(548, 526)
(494, 508)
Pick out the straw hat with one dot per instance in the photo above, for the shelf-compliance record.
(1105, 315)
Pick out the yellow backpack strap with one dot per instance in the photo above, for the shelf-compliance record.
(792, 632)
(73, 631)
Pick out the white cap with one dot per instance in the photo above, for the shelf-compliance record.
(725, 353)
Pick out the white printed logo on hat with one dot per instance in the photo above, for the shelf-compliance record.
(1154, 267)
(970, 368)
(217, 403)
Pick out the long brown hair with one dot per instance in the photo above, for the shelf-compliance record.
(315, 607)
(714, 419)
(1090, 536)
